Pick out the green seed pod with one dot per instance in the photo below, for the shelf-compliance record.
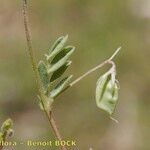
(107, 93)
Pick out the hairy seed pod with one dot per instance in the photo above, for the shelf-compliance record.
(107, 93)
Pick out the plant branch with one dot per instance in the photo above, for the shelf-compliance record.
(54, 126)
(49, 115)
(115, 53)
(108, 61)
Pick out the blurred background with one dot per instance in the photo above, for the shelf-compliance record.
(96, 28)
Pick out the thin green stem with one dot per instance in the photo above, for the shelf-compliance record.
(87, 73)
(108, 61)
(29, 45)
(115, 53)
(49, 115)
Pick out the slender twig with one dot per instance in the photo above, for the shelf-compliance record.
(34, 66)
(87, 73)
(108, 61)
(115, 53)
(54, 126)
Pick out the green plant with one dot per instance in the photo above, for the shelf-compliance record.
(6, 131)
(48, 72)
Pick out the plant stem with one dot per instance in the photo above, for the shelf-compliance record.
(54, 126)
(87, 73)
(49, 115)
(108, 61)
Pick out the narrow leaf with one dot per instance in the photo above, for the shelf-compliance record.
(43, 74)
(60, 71)
(106, 94)
(57, 47)
(60, 87)
(61, 58)
(62, 54)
